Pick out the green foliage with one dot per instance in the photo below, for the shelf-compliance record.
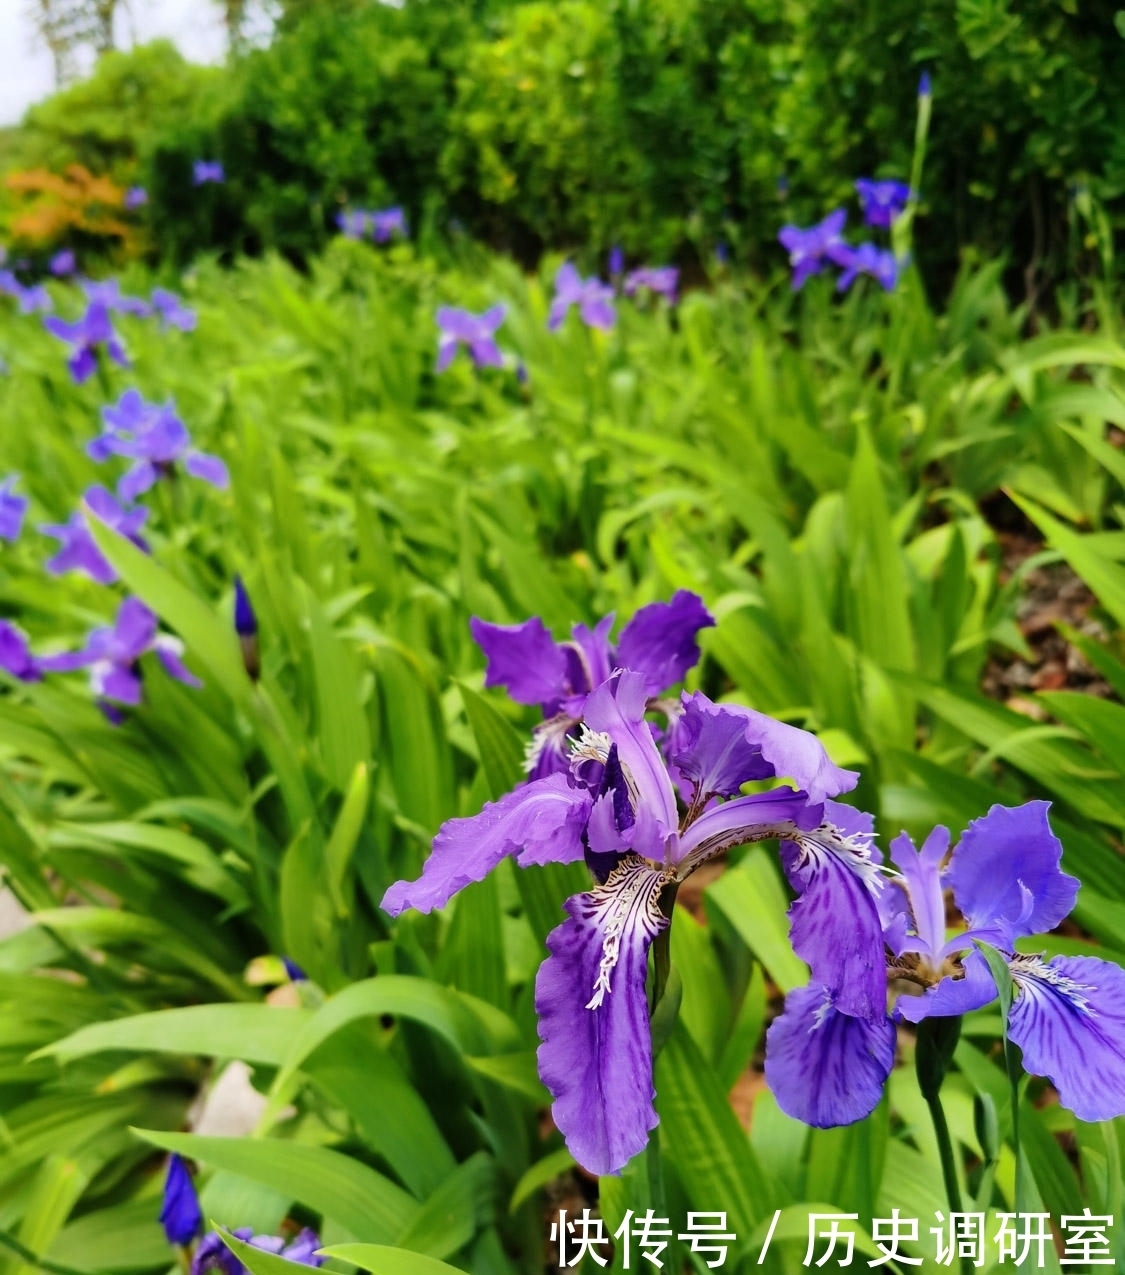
(816, 469)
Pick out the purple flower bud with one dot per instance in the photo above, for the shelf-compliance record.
(616, 261)
(296, 974)
(924, 85)
(63, 264)
(246, 626)
(136, 197)
(180, 1216)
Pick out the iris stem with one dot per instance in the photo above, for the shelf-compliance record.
(937, 1039)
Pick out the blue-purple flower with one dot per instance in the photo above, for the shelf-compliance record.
(78, 551)
(12, 509)
(29, 299)
(619, 808)
(882, 201)
(827, 1065)
(63, 263)
(171, 311)
(180, 1214)
(204, 171)
(660, 641)
(87, 337)
(352, 222)
(476, 332)
(112, 655)
(156, 440)
(107, 292)
(616, 261)
(662, 281)
(16, 658)
(865, 258)
(593, 298)
(135, 197)
(811, 250)
(386, 223)
(213, 1254)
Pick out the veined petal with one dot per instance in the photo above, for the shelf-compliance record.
(835, 925)
(542, 821)
(617, 708)
(523, 658)
(952, 997)
(1001, 857)
(921, 871)
(596, 1055)
(827, 1068)
(1069, 1020)
(660, 640)
(709, 747)
(760, 817)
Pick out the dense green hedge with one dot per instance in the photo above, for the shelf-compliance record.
(664, 125)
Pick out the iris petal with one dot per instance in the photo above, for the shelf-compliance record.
(827, 1068)
(596, 1055)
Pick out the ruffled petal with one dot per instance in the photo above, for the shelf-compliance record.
(835, 925)
(826, 1068)
(596, 1055)
(523, 658)
(708, 746)
(660, 640)
(542, 821)
(1069, 1020)
(1000, 857)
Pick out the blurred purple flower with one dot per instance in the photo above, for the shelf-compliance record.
(212, 1253)
(136, 197)
(474, 331)
(108, 292)
(29, 300)
(924, 88)
(659, 280)
(593, 298)
(616, 261)
(171, 311)
(112, 654)
(86, 337)
(78, 550)
(180, 1214)
(386, 222)
(15, 654)
(867, 259)
(204, 171)
(63, 263)
(882, 201)
(155, 438)
(353, 223)
(810, 250)
(12, 509)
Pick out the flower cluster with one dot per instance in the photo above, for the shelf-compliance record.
(380, 224)
(182, 1220)
(644, 804)
(813, 249)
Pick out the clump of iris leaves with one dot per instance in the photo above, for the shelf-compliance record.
(203, 869)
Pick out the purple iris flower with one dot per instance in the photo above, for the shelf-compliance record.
(180, 1215)
(882, 201)
(619, 810)
(171, 310)
(204, 171)
(15, 654)
(86, 337)
(79, 552)
(112, 654)
(29, 300)
(353, 223)
(810, 250)
(660, 641)
(63, 263)
(136, 197)
(107, 292)
(12, 509)
(387, 222)
(827, 1067)
(593, 298)
(867, 259)
(659, 280)
(213, 1254)
(474, 331)
(155, 438)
